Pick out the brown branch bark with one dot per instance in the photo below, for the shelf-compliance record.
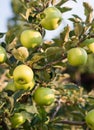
(51, 63)
(81, 123)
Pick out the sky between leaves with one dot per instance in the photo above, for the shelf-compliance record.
(6, 12)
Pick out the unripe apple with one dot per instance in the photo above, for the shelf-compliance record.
(44, 96)
(77, 56)
(90, 119)
(89, 42)
(26, 86)
(30, 38)
(52, 18)
(91, 47)
(3, 55)
(23, 74)
(17, 119)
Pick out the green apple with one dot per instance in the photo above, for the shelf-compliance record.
(17, 119)
(10, 86)
(77, 56)
(3, 55)
(30, 38)
(23, 74)
(44, 96)
(52, 18)
(91, 47)
(89, 43)
(26, 86)
(90, 119)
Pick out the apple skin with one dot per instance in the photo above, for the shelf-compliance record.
(90, 119)
(30, 38)
(52, 18)
(77, 56)
(89, 43)
(91, 47)
(44, 96)
(17, 119)
(23, 74)
(3, 55)
(29, 85)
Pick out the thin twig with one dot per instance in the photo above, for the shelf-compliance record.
(51, 63)
(81, 123)
(56, 110)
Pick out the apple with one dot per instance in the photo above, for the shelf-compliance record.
(90, 119)
(29, 85)
(91, 47)
(17, 119)
(77, 56)
(89, 43)
(23, 74)
(30, 38)
(44, 96)
(52, 18)
(3, 55)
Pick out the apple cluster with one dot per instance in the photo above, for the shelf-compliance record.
(51, 19)
(24, 79)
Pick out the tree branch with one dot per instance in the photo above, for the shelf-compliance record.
(73, 122)
(57, 109)
(51, 63)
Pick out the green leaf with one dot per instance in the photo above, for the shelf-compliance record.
(18, 94)
(78, 29)
(76, 16)
(87, 8)
(1, 35)
(87, 42)
(76, 19)
(65, 34)
(43, 75)
(12, 34)
(53, 53)
(42, 114)
(88, 11)
(64, 9)
(63, 1)
(71, 86)
(28, 108)
(72, 20)
(36, 57)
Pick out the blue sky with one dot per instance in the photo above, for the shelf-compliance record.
(6, 12)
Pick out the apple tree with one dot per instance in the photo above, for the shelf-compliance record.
(40, 86)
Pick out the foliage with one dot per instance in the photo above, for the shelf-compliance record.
(51, 69)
